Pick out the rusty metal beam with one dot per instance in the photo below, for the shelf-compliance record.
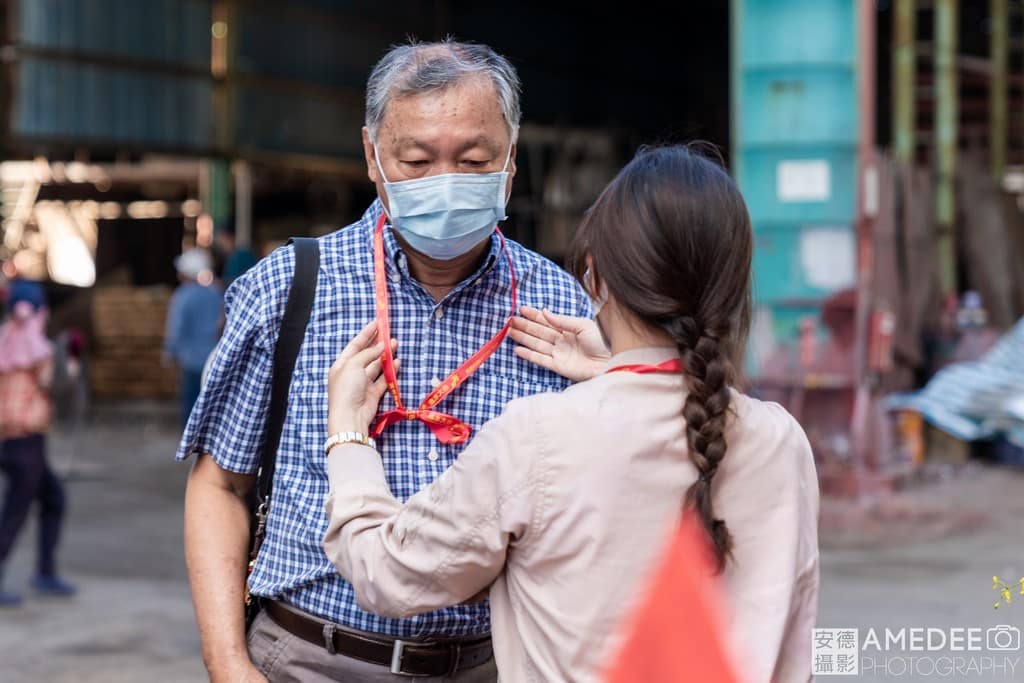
(867, 211)
(998, 87)
(946, 123)
(904, 65)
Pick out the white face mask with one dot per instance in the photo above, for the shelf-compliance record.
(598, 300)
(444, 216)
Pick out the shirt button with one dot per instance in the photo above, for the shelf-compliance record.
(432, 456)
(435, 382)
(439, 313)
(395, 277)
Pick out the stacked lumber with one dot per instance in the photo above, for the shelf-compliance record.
(128, 330)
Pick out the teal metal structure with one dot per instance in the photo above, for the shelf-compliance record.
(795, 128)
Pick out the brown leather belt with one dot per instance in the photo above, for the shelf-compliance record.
(441, 657)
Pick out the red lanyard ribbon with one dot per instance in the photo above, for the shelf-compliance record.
(673, 365)
(447, 429)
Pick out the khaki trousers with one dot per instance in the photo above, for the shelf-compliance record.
(285, 658)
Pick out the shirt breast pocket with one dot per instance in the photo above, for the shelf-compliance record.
(501, 388)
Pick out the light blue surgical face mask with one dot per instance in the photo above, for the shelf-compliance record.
(444, 216)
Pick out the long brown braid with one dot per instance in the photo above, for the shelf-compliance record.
(671, 239)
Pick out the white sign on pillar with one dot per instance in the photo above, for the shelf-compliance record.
(829, 257)
(803, 180)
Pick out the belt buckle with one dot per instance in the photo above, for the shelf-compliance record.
(396, 657)
(397, 650)
(456, 659)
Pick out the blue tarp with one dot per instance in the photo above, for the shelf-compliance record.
(978, 400)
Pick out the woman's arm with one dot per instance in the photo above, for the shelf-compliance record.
(449, 541)
(768, 498)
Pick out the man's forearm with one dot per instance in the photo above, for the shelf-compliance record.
(216, 549)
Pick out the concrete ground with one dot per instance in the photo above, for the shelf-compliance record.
(924, 559)
(132, 619)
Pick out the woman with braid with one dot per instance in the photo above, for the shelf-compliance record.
(560, 507)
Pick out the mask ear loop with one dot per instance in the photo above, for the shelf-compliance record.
(508, 157)
(506, 192)
(597, 299)
(376, 157)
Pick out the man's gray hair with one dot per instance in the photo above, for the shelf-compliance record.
(424, 67)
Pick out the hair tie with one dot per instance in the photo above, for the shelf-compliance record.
(705, 477)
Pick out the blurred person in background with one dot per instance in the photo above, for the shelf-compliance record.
(194, 322)
(236, 259)
(232, 259)
(240, 260)
(70, 390)
(442, 121)
(561, 507)
(26, 373)
(975, 335)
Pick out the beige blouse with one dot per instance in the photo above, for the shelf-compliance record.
(563, 505)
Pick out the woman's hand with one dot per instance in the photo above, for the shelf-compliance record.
(570, 346)
(356, 383)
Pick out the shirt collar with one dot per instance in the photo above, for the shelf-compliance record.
(652, 355)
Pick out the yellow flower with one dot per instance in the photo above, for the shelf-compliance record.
(1007, 596)
(995, 606)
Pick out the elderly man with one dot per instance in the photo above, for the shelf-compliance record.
(440, 141)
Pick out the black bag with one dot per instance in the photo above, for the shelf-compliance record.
(286, 351)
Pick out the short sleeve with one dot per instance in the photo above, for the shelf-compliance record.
(229, 417)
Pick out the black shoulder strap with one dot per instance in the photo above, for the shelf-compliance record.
(286, 350)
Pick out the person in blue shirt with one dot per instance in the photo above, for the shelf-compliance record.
(194, 322)
(442, 120)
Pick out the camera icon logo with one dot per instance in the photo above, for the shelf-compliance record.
(1003, 638)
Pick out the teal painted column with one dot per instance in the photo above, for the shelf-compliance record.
(796, 120)
(220, 194)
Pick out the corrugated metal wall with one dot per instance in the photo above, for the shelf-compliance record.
(170, 31)
(138, 72)
(113, 71)
(301, 71)
(92, 103)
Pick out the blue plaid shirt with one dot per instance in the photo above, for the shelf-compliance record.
(435, 337)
